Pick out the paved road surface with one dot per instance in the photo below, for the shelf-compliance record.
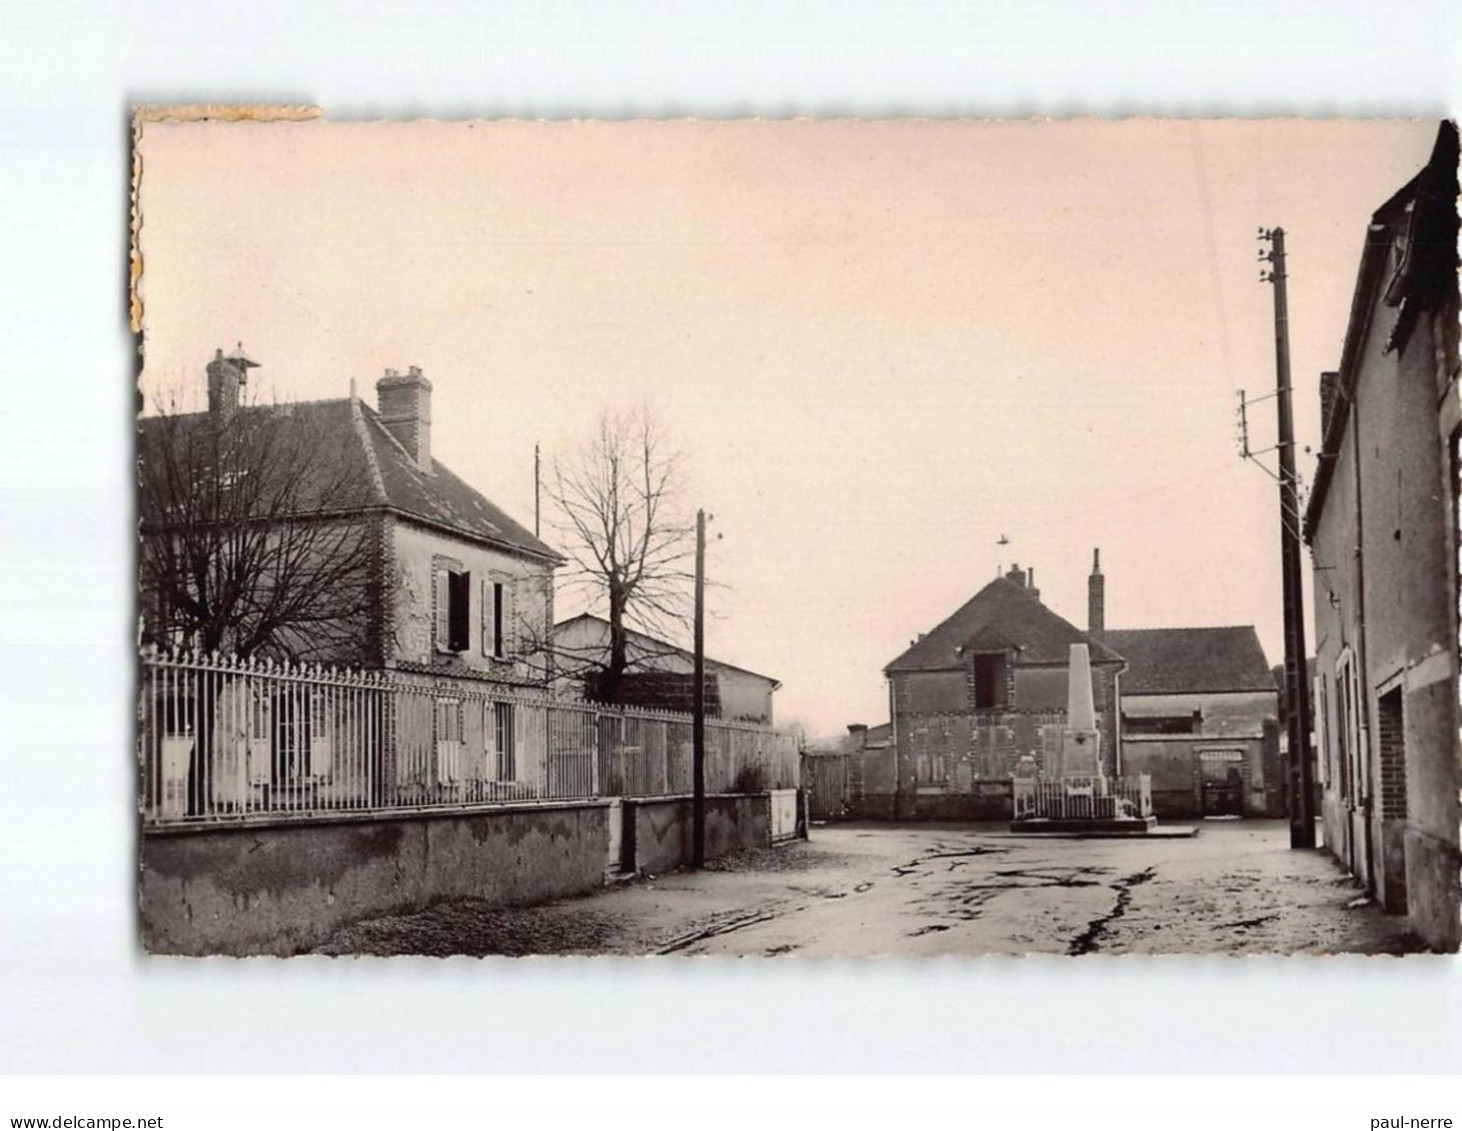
(920, 889)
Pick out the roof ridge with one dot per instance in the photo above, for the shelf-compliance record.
(1186, 628)
(357, 419)
(386, 433)
(665, 644)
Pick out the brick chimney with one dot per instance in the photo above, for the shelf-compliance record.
(226, 377)
(859, 734)
(1016, 574)
(1096, 597)
(404, 403)
(1329, 382)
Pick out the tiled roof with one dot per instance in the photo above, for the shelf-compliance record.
(1173, 661)
(441, 497)
(652, 647)
(1001, 615)
(367, 468)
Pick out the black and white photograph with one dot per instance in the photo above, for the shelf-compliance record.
(796, 539)
(831, 563)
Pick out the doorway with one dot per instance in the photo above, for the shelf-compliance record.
(1222, 775)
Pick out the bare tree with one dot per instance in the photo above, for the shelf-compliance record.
(629, 540)
(252, 535)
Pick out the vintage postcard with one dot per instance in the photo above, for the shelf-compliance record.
(796, 538)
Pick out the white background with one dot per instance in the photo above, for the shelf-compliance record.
(76, 994)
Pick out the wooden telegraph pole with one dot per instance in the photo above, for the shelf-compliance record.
(1296, 675)
(698, 718)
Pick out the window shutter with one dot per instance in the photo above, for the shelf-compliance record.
(440, 602)
(486, 618)
(510, 604)
(459, 634)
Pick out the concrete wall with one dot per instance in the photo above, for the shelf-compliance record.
(1176, 769)
(415, 552)
(662, 829)
(1246, 721)
(283, 889)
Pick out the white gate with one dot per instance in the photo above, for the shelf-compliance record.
(784, 814)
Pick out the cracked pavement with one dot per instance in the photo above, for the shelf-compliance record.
(863, 890)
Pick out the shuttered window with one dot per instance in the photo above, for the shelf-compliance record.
(440, 605)
(459, 597)
(451, 608)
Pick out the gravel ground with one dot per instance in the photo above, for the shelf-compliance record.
(866, 890)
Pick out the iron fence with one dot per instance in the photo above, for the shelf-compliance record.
(222, 739)
(1077, 798)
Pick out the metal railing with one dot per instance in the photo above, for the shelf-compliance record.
(1082, 798)
(222, 739)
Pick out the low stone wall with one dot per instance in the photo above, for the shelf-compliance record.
(284, 888)
(663, 829)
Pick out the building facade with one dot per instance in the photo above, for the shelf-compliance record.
(1200, 717)
(658, 669)
(447, 585)
(983, 689)
(1382, 524)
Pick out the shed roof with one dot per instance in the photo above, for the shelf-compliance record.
(1173, 661)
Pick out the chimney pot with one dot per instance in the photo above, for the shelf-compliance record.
(404, 405)
(226, 377)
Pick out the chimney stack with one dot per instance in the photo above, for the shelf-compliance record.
(404, 404)
(1096, 597)
(1329, 382)
(859, 734)
(1016, 574)
(226, 377)
(1031, 582)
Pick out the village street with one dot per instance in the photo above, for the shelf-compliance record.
(861, 890)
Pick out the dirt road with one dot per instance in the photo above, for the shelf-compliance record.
(866, 890)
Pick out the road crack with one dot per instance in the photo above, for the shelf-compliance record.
(1089, 941)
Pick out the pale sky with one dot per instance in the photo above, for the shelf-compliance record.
(883, 345)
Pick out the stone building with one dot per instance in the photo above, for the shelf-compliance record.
(1194, 708)
(982, 689)
(659, 673)
(1382, 526)
(456, 589)
(1200, 717)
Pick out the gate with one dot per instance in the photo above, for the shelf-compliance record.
(827, 783)
(1223, 782)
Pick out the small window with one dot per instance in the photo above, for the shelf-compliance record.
(989, 680)
(499, 642)
(451, 597)
(1161, 724)
(495, 616)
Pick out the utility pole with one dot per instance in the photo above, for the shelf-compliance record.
(1296, 675)
(698, 718)
(537, 493)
